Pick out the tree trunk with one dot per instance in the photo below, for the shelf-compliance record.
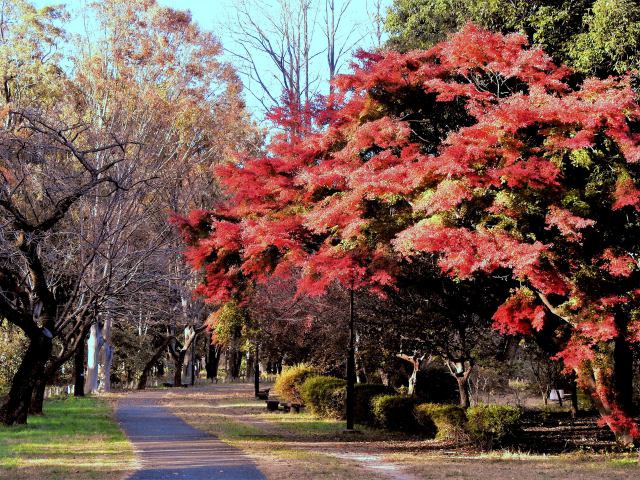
(37, 397)
(461, 370)
(463, 390)
(107, 355)
(233, 359)
(78, 369)
(142, 382)
(178, 363)
(93, 346)
(256, 371)
(413, 380)
(598, 383)
(623, 375)
(187, 366)
(190, 336)
(213, 361)
(574, 398)
(416, 363)
(250, 370)
(16, 406)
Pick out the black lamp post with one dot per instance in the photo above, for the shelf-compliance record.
(351, 365)
(256, 370)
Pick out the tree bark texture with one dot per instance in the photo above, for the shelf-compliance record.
(16, 406)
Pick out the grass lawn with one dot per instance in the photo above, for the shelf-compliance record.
(77, 438)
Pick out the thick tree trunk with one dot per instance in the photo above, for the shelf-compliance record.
(107, 356)
(238, 366)
(187, 366)
(78, 369)
(213, 361)
(16, 406)
(233, 360)
(598, 383)
(463, 390)
(623, 375)
(177, 374)
(93, 346)
(37, 397)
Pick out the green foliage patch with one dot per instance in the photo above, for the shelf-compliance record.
(322, 396)
(446, 421)
(394, 412)
(489, 424)
(288, 383)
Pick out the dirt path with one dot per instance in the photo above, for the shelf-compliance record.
(169, 448)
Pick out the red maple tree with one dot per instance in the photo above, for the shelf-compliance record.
(479, 151)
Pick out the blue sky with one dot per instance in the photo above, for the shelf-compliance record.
(215, 15)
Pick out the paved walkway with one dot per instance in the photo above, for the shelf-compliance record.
(168, 448)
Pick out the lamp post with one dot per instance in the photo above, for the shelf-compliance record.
(351, 365)
(256, 370)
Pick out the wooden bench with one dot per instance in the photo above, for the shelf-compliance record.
(272, 405)
(290, 406)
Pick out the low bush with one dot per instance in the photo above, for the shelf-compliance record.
(394, 412)
(317, 393)
(447, 421)
(364, 393)
(585, 402)
(489, 424)
(288, 383)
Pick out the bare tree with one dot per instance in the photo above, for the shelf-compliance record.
(279, 46)
(49, 167)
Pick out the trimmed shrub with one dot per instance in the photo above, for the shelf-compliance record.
(394, 412)
(288, 383)
(317, 393)
(488, 424)
(447, 421)
(364, 393)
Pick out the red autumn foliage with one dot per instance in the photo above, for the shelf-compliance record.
(479, 151)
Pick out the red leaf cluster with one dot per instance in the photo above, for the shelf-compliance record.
(479, 151)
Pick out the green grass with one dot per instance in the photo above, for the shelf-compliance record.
(77, 438)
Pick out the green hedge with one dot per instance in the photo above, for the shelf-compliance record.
(288, 383)
(364, 393)
(394, 412)
(447, 421)
(488, 424)
(327, 396)
(319, 395)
